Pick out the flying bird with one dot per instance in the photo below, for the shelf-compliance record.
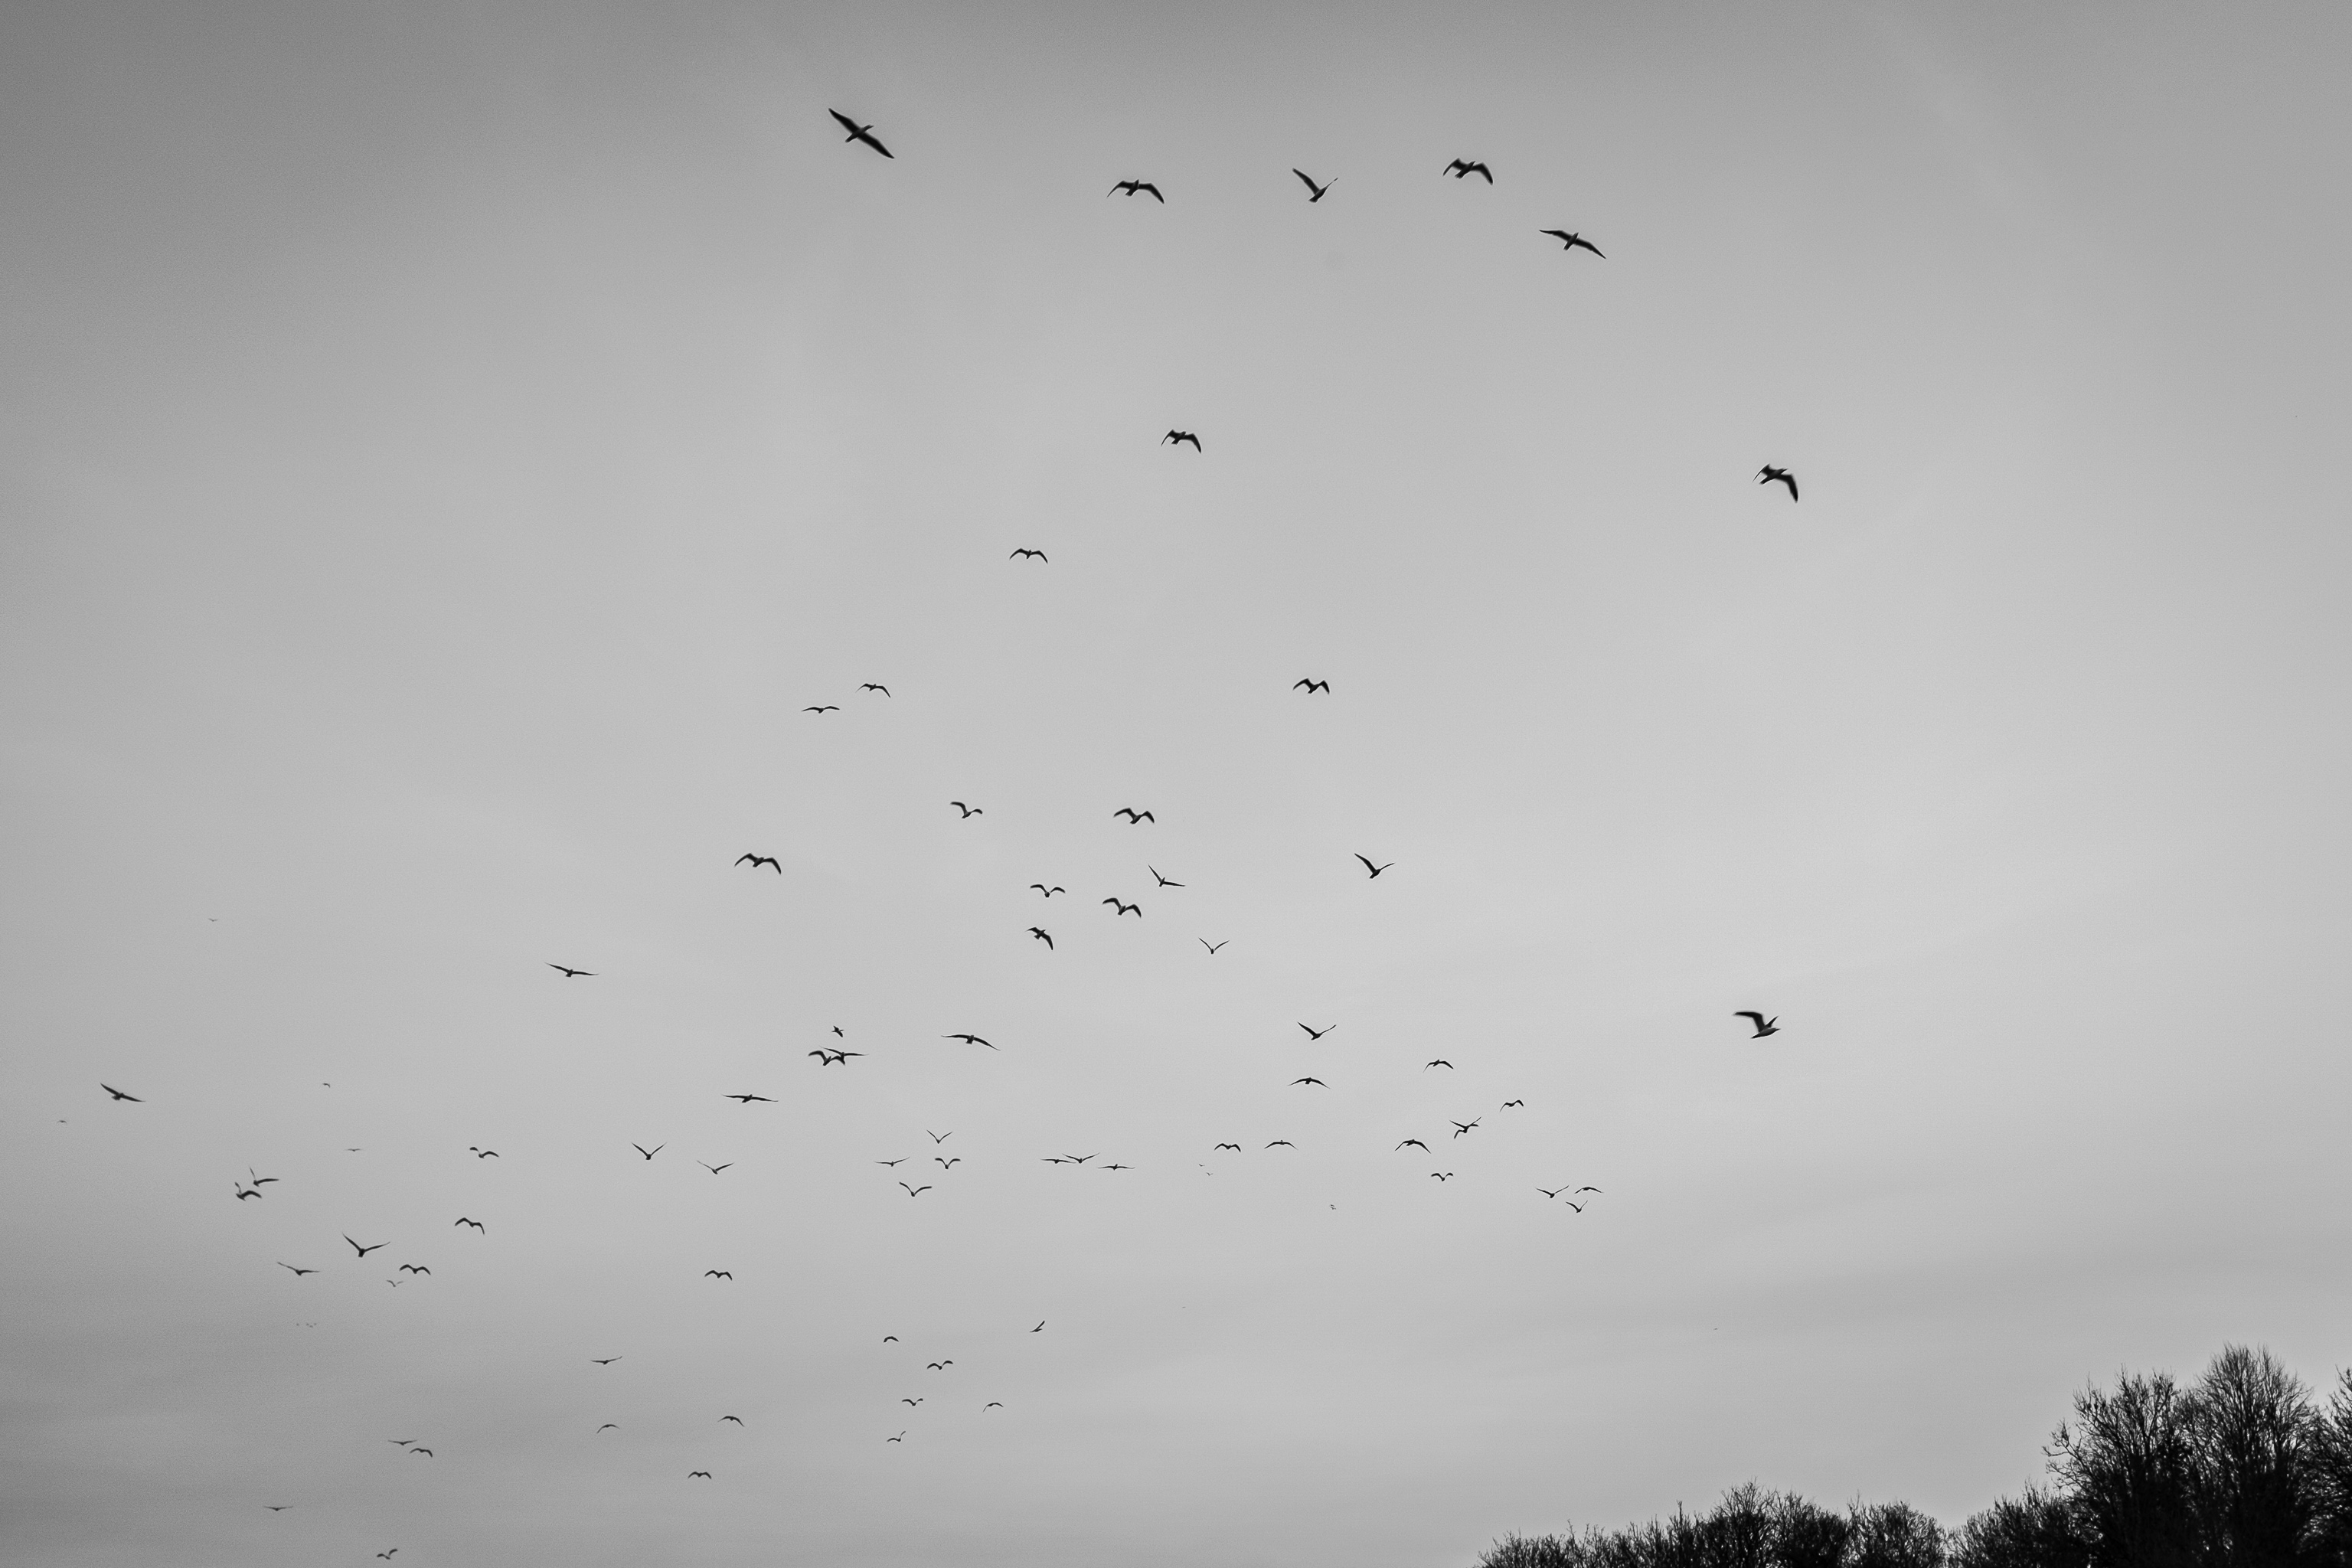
(1574, 1204)
(606, 1360)
(1177, 437)
(575, 973)
(758, 860)
(278, 1506)
(1767, 474)
(969, 811)
(893, 1163)
(388, 1555)
(475, 1150)
(245, 1193)
(1134, 817)
(298, 1272)
(900, 1438)
(1213, 947)
(474, 1223)
(1162, 880)
(119, 1095)
(914, 1401)
(415, 1269)
(1412, 1143)
(1442, 1175)
(1049, 892)
(1131, 187)
(704, 1474)
(1763, 1026)
(737, 1419)
(414, 1453)
(650, 1153)
(1463, 168)
(968, 1039)
(1508, 1103)
(1588, 1189)
(941, 1365)
(948, 1164)
(1440, 1062)
(1235, 1147)
(822, 708)
(1282, 1143)
(1315, 191)
(916, 1192)
(1040, 1327)
(1573, 241)
(859, 132)
(873, 686)
(364, 1251)
(889, 1339)
(1375, 870)
(717, 1274)
(608, 1427)
(941, 1137)
(992, 1405)
(1461, 1127)
(1318, 1034)
(1037, 554)
(1315, 1081)
(1552, 1192)
(714, 1170)
(825, 1058)
(1312, 686)
(1079, 1159)
(1135, 910)
(1115, 1165)
(258, 1180)
(747, 1099)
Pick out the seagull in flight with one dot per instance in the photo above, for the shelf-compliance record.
(1282, 1143)
(415, 1269)
(825, 1058)
(1413, 1143)
(1763, 1026)
(1037, 554)
(606, 1360)
(747, 1099)
(992, 1405)
(475, 1150)
(243, 1192)
(1375, 870)
(900, 1438)
(1315, 1081)
(939, 1366)
(737, 1419)
(1767, 474)
(650, 1153)
(872, 686)
(1588, 1189)
(1135, 910)
(1508, 1103)
(1316, 191)
(474, 1223)
(822, 708)
(1463, 168)
(704, 1474)
(1461, 1127)
(1134, 817)
(1573, 241)
(968, 1039)
(1442, 1175)
(859, 132)
(1213, 947)
(119, 1095)
(1131, 187)
(298, 1272)
(608, 1427)
(939, 1137)
(916, 1192)
(1312, 685)
(364, 1251)
(1177, 437)
(1318, 1034)
(1049, 892)
(1552, 1192)
(1440, 1062)
(969, 811)
(894, 1164)
(575, 973)
(714, 1170)
(278, 1506)
(758, 860)
(1162, 880)
(1235, 1147)
(718, 1274)
(947, 1164)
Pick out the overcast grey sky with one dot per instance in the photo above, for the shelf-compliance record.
(446, 448)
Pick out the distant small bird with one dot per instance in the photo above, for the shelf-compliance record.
(245, 1193)
(1763, 1026)
(859, 132)
(474, 1223)
(606, 1360)
(1413, 1143)
(298, 1272)
(758, 860)
(900, 1438)
(1049, 892)
(941, 1365)
(871, 686)
(714, 1170)
(718, 1274)
(1573, 241)
(388, 1555)
(400, 1442)
(415, 1269)
(1315, 191)
(825, 1058)
(941, 1137)
(1042, 934)
(968, 1039)
(1115, 1165)
(258, 1181)
(1312, 686)
(948, 1164)
(1589, 1190)
(1508, 1103)
(992, 1405)
(1767, 474)
(1552, 1192)
(575, 973)
(916, 1192)
(893, 1163)
(364, 1251)
(1036, 554)
(417, 1452)
(608, 1427)
(1461, 1127)
(704, 1474)
(1574, 1204)
(737, 1419)
(1440, 1062)
(1131, 187)
(969, 811)
(1120, 908)
(822, 708)
(1442, 1175)
(475, 1150)
(278, 1506)
(1375, 870)
(1461, 168)
(1282, 1143)
(1177, 438)
(747, 1099)
(1213, 947)
(1040, 1327)
(914, 1401)
(889, 1339)
(650, 1153)
(1314, 1033)
(1315, 1081)
(1134, 817)
(119, 1095)
(1161, 879)
(1235, 1147)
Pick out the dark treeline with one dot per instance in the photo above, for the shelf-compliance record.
(2242, 1469)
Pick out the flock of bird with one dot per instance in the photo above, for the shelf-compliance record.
(249, 1187)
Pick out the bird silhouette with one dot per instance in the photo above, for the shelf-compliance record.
(243, 1192)
(916, 1192)
(1552, 1192)
(718, 1274)
(758, 860)
(1037, 554)
(747, 1099)
(968, 1039)
(857, 132)
(889, 1339)
(650, 1153)
(1461, 1127)
(1573, 241)
(947, 1164)
(1313, 1034)
(1440, 1062)
(474, 1223)
(298, 1272)
(1767, 474)
(1413, 1143)
(825, 1058)
(911, 1402)
(1315, 1081)
(1763, 1026)
(1177, 438)
(388, 1555)
(258, 1181)
(400, 1442)
(737, 1419)
(575, 973)
(415, 1269)
(1040, 1327)
(1161, 879)
(1588, 1189)
(1079, 1159)
(940, 1137)
(941, 1365)
(874, 686)
(992, 1405)
(1463, 168)
(1442, 1175)
(900, 1438)
(1508, 1103)
(119, 1095)
(606, 1361)
(1134, 817)
(1131, 187)
(1574, 1204)
(1049, 892)
(1315, 192)
(704, 1474)
(969, 811)
(1213, 947)
(1375, 870)
(1235, 1147)
(893, 1163)
(1312, 686)
(364, 1251)
(278, 1506)
(1135, 910)
(1115, 1165)
(607, 1426)
(822, 708)
(420, 1453)
(1282, 1143)
(714, 1170)
(475, 1150)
